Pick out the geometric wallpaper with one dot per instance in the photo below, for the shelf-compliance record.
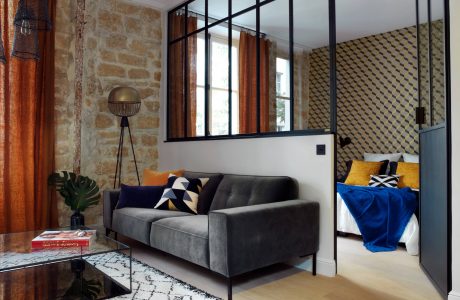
(377, 93)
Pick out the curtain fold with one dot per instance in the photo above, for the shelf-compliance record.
(248, 84)
(177, 79)
(27, 135)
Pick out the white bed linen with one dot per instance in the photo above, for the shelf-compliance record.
(346, 223)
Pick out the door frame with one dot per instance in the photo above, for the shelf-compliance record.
(447, 88)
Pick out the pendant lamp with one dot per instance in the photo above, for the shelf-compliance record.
(33, 15)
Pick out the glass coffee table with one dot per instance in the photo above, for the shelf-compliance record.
(64, 273)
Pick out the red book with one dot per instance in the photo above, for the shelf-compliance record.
(64, 239)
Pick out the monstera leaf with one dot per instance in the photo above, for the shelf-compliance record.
(79, 192)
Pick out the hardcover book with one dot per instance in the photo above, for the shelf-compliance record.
(64, 239)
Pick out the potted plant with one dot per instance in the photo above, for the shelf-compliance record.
(79, 193)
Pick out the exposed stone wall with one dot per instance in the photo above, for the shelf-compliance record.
(65, 91)
(122, 47)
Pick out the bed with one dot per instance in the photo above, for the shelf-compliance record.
(347, 224)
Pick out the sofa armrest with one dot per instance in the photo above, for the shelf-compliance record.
(110, 198)
(246, 238)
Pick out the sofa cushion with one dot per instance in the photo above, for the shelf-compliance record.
(241, 190)
(137, 222)
(139, 196)
(209, 190)
(185, 237)
(182, 194)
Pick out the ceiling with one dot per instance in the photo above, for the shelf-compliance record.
(355, 18)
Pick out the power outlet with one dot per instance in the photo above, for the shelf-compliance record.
(320, 149)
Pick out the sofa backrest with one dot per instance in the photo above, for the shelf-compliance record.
(243, 190)
(209, 190)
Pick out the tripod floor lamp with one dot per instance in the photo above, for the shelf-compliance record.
(124, 102)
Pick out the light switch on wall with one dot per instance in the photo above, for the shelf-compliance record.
(320, 149)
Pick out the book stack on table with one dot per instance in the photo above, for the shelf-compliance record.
(64, 239)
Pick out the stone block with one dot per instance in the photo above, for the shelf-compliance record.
(110, 70)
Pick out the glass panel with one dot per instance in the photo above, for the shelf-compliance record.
(176, 90)
(423, 53)
(239, 5)
(176, 24)
(217, 10)
(275, 87)
(311, 65)
(197, 9)
(244, 79)
(219, 80)
(197, 84)
(437, 54)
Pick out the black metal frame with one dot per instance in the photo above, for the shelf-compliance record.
(447, 124)
(256, 7)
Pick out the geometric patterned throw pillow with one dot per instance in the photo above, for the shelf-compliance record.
(390, 181)
(181, 194)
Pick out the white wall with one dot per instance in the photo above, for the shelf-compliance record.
(455, 72)
(289, 156)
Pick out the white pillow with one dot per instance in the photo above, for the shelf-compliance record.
(381, 156)
(411, 158)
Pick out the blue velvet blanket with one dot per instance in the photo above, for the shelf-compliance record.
(382, 214)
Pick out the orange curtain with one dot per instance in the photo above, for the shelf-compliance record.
(248, 84)
(26, 132)
(177, 88)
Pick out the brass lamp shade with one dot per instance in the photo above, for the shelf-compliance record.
(124, 101)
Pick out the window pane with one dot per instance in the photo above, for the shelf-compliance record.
(176, 24)
(218, 10)
(274, 64)
(244, 79)
(176, 90)
(219, 62)
(283, 115)
(197, 9)
(239, 5)
(200, 83)
(200, 111)
(219, 80)
(219, 112)
(311, 65)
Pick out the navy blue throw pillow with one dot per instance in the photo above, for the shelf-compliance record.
(139, 196)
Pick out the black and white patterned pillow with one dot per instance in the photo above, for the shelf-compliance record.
(181, 194)
(390, 181)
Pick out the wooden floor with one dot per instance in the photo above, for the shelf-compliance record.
(362, 275)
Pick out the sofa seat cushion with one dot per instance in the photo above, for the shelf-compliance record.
(185, 237)
(137, 222)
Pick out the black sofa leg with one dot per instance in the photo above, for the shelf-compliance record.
(115, 236)
(107, 231)
(314, 265)
(229, 288)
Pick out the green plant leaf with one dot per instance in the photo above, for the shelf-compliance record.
(79, 192)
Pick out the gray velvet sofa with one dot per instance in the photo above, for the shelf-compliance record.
(253, 222)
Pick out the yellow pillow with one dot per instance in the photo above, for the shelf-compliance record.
(159, 178)
(409, 173)
(361, 172)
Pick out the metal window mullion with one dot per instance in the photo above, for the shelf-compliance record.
(206, 71)
(291, 63)
(186, 73)
(230, 59)
(332, 66)
(168, 85)
(258, 63)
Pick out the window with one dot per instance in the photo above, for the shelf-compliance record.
(256, 69)
(218, 86)
(283, 97)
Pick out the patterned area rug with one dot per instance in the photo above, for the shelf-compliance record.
(147, 282)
